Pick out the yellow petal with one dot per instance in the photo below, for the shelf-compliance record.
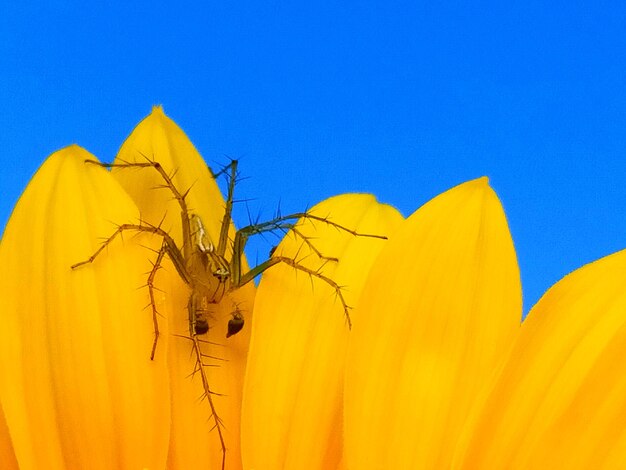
(194, 442)
(158, 138)
(438, 311)
(560, 401)
(292, 414)
(77, 386)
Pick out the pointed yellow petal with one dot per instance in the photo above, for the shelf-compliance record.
(193, 443)
(439, 309)
(560, 401)
(77, 386)
(292, 414)
(158, 138)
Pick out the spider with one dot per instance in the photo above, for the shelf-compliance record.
(204, 266)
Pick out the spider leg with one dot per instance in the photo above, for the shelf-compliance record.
(250, 275)
(200, 368)
(150, 283)
(168, 183)
(168, 246)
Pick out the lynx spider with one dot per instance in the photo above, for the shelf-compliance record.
(199, 263)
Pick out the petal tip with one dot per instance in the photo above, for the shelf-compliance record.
(72, 153)
(157, 109)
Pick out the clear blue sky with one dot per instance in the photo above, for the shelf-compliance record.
(400, 99)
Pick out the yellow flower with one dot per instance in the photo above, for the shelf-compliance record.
(77, 385)
(436, 371)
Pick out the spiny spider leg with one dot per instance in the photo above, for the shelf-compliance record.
(168, 246)
(168, 241)
(311, 246)
(150, 283)
(208, 394)
(250, 275)
(228, 209)
(169, 183)
(281, 222)
(239, 279)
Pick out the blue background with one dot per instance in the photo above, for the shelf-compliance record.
(401, 99)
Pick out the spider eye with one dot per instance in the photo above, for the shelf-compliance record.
(235, 324)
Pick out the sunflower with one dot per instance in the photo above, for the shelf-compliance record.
(436, 371)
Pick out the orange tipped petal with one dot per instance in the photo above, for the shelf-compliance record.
(292, 411)
(437, 313)
(560, 401)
